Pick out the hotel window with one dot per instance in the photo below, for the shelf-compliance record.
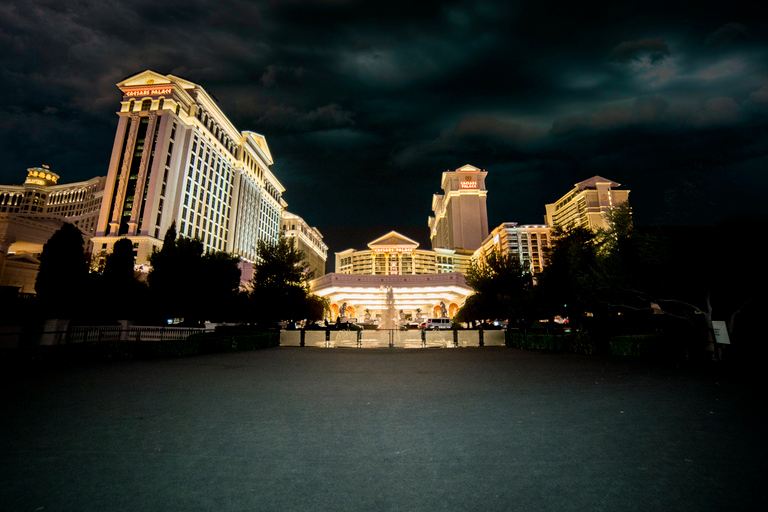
(146, 104)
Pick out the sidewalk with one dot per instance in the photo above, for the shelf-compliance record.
(315, 429)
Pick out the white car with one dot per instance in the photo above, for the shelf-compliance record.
(434, 324)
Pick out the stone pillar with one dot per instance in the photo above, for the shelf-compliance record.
(138, 194)
(114, 224)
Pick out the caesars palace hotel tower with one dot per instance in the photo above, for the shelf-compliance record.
(461, 218)
(177, 158)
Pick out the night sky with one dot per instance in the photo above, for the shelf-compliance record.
(364, 104)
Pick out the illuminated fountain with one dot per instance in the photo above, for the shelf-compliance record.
(388, 315)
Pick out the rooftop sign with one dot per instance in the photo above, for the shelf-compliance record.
(393, 249)
(149, 91)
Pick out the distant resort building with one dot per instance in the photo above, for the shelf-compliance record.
(308, 240)
(395, 254)
(527, 242)
(586, 204)
(30, 213)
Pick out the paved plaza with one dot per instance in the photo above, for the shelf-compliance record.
(386, 429)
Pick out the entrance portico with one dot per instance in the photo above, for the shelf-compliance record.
(429, 293)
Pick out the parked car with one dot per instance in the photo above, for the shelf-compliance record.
(438, 323)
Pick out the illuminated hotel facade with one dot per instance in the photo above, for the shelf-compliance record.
(41, 195)
(178, 159)
(308, 240)
(527, 242)
(30, 213)
(395, 254)
(586, 204)
(460, 219)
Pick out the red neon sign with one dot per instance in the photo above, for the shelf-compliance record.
(149, 91)
(393, 249)
(468, 184)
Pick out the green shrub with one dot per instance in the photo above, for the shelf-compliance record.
(636, 345)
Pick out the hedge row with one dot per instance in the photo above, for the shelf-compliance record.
(637, 345)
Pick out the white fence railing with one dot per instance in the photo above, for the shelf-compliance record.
(82, 334)
(391, 338)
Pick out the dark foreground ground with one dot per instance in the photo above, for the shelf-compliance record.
(312, 429)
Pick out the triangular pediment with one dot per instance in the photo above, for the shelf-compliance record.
(393, 239)
(467, 168)
(261, 141)
(147, 77)
(184, 84)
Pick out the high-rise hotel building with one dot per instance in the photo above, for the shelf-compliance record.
(461, 218)
(586, 204)
(308, 240)
(526, 242)
(177, 158)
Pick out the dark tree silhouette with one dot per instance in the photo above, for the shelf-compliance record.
(502, 290)
(185, 283)
(118, 268)
(62, 280)
(279, 289)
(122, 295)
(567, 283)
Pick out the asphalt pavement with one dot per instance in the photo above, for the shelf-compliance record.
(384, 429)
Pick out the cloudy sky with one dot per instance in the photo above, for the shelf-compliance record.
(364, 104)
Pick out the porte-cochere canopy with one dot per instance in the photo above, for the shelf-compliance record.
(424, 292)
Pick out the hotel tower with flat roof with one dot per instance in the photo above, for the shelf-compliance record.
(461, 218)
(178, 159)
(586, 204)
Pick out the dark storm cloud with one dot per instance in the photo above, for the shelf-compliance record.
(285, 118)
(274, 76)
(365, 103)
(655, 48)
(728, 33)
